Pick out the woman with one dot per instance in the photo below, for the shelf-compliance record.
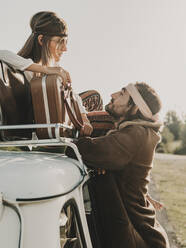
(42, 52)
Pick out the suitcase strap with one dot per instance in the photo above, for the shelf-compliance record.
(76, 108)
(76, 118)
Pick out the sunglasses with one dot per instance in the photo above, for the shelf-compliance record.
(60, 41)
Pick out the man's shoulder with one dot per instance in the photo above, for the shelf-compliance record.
(140, 132)
(132, 129)
(130, 132)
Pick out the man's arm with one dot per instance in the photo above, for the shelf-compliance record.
(110, 152)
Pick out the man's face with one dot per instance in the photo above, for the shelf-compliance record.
(118, 106)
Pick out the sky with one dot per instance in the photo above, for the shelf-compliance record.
(113, 42)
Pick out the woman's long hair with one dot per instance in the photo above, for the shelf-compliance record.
(47, 24)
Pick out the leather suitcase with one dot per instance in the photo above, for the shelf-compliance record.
(50, 105)
(101, 122)
(15, 102)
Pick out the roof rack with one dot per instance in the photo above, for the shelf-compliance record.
(35, 142)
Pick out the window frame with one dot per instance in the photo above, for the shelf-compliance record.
(72, 203)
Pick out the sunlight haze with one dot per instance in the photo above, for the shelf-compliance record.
(112, 43)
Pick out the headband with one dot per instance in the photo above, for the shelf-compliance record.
(142, 105)
(50, 34)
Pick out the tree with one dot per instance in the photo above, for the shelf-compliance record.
(167, 136)
(182, 148)
(183, 136)
(173, 123)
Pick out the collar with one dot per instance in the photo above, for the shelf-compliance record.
(139, 122)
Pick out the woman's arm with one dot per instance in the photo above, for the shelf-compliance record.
(15, 60)
(49, 71)
(23, 64)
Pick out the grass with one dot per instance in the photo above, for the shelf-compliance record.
(169, 173)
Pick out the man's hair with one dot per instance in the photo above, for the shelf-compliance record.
(151, 98)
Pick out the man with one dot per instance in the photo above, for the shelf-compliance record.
(126, 216)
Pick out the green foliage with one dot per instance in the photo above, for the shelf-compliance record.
(161, 148)
(167, 135)
(173, 135)
(173, 123)
(182, 148)
(183, 136)
(167, 139)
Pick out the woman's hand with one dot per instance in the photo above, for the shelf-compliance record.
(65, 76)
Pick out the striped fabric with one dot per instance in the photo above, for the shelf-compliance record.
(101, 121)
(92, 100)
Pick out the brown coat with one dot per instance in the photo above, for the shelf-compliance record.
(126, 216)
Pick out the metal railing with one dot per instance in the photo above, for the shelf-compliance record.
(35, 142)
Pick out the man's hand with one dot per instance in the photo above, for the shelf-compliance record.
(156, 204)
(86, 130)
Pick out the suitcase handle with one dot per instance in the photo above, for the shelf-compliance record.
(75, 119)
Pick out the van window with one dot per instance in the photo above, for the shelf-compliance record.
(70, 229)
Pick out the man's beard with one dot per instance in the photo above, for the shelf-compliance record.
(111, 112)
(116, 116)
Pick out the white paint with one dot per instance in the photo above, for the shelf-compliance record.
(36, 175)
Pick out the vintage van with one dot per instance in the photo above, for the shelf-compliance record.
(45, 201)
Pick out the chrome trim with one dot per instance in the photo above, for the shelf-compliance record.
(47, 113)
(31, 126)
(35, 142)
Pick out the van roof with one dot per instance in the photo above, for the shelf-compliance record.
(36, 175)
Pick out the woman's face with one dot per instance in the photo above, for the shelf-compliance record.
(57, 47)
